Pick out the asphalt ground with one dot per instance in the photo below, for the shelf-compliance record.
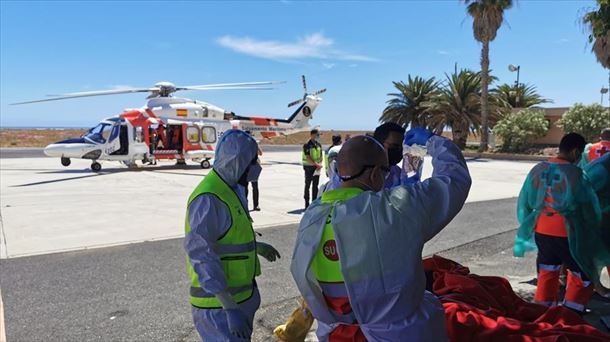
(35, 152)
(139, 292)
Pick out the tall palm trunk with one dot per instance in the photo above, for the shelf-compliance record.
(484, 96)
(459, 135)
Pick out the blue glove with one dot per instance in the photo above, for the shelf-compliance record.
(239, 324)
(411, 180)
(417, 136)
(267, 251)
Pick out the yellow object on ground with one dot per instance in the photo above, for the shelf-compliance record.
(297, 326)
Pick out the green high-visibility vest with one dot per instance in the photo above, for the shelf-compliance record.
(325, 264)
(316, 155)
(236, 249)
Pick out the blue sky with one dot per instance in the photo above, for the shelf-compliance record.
(355, 49)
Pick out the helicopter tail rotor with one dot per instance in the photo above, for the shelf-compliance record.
(315, 93)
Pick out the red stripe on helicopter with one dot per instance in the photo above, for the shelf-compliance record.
(269, 134)
(261, 121)
(150, 113)
(210, 147)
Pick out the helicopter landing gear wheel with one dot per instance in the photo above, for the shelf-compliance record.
(65, 161)
(96, 167)
(205, 164)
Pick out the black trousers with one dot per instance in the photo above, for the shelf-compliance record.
(553, 250)
(254, 193)
(312, 182)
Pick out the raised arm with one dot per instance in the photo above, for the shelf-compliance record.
(438, 199)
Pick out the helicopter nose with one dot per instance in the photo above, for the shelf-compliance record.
(54, 150)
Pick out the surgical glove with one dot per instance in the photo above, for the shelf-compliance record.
(267, 251)
(239, 324)
(417, 136)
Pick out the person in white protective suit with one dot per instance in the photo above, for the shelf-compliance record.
(221, 246)
(357, 258)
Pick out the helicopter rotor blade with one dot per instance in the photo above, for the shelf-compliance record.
(295, 102)
(242, 84)
(304, 84)
(225, 88)
(319, 92)
(91, 93)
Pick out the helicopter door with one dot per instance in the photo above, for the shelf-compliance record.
(191, 135)
(114, 142)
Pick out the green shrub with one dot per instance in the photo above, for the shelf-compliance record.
(518, 130)
(585, 120)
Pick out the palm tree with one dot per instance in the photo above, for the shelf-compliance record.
(488, 16)
(405, 107)
(458, 106)
(598, 23)
(521, 96)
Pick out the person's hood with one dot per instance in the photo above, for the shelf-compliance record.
(234, 153)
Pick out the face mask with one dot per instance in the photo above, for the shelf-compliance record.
(243, 180)
(394, 155)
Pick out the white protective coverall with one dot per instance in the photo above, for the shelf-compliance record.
(210, 219)
(379, 238)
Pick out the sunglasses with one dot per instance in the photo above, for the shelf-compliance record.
(385, 169)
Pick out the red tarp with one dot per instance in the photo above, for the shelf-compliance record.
(481, 308)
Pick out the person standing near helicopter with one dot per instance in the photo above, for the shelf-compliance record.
(221, 245)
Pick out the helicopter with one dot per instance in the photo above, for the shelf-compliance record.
(173, 128)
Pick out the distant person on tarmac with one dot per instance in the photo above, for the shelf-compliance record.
(558, 211)
(253, 175)
(357, 258)
(312, 165)
(331, 154)
(221, 245)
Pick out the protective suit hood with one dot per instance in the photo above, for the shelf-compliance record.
(234, 154)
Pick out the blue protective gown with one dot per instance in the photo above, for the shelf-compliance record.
(380, 237)
(210, 219)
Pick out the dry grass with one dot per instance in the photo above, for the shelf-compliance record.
(36, 137)
(302, 137)
(10, 137)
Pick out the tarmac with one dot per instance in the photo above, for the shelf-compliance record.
(46, 208)
(99, 257)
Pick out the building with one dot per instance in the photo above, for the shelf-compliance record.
(554, 135)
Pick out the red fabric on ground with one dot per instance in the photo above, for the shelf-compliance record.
(481, 308)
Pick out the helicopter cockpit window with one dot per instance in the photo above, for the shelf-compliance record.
(192, 135)
(99, 133)
(114, 133)
(208, 134)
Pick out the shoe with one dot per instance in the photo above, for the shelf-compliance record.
(256, 209)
